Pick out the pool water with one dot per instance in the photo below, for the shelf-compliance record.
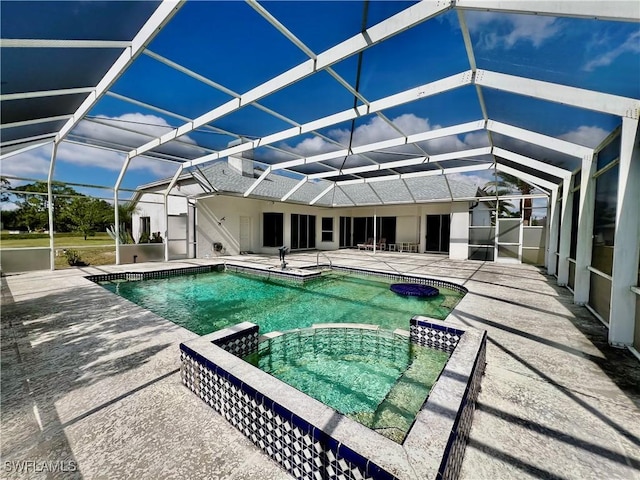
(206, 302)
(376, 378)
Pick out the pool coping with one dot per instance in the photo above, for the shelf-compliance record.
(315, 439)
(434, 446)
(298, 274)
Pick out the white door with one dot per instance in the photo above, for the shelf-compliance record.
(245, 234)
(509, 241)
(178, 236)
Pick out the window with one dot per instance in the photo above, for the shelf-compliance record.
(604, 224)
(327, 229)
(609, 153)
(145, 229)
(272, 229)
(363, 229)
(345, 232)
(574, 223)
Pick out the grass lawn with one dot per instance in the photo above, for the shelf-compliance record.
(97, 250)
(90, 256)
(61, 240)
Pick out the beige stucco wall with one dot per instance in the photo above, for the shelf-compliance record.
(14, 260)
(410, 222)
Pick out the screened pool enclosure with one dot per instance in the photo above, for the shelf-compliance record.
(478, 129)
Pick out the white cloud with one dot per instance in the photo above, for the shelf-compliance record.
(32, 164)
(586, 136)
(158, 167)
(631, 44)
(85, 156)
(8, 206)
(503, 30)
(147, 124)
(35, 163)
(476, 139)
(310, 146)
(377, 130)
(478, 179)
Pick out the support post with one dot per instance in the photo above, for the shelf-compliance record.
(52, 164)
(553, 224)
(625, 249)
(584, 244)
(565, 233)
(166, 226)
(375, 232)
(116, 213)
(172, 184)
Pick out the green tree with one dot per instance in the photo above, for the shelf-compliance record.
(505, 184)
(87, 215)
(125, 213)
(5, 187)
(32, 202)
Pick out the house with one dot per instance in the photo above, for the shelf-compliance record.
(208, 214)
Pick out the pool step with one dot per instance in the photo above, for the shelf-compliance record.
(396, 413)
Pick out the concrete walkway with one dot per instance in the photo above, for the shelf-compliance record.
(91, 380)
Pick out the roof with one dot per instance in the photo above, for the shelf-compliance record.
(226, 179)
(368, 102)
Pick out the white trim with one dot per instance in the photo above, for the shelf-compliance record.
(294, 189)
(622, 10)
(35, 121)
(45, 93)
(430, 173)
(553, 92)
(530, 162)
(323, 193)
(158, 19)
(401, 98)
(257, 182)
(382, 31)
(58, 43)
(525, 176)
(475, 152)
(596, 314)
(24, 149)
(552, 143)
(50, 207)
(635, 352)
(599, 273)
(28, 139)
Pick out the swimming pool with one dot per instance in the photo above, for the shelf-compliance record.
(206, 302)
(378, 378)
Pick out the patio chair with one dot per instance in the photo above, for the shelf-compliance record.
(366, 246)
(382, 244)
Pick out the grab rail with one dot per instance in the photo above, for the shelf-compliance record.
(326, 256)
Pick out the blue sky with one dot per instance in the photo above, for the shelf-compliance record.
(229, 43)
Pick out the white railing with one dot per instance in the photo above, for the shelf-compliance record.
(325, 256)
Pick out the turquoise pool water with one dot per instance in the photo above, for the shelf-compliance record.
(377, 378)
(206, 302)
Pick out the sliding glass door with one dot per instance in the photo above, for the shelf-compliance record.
(438, 233)
(303, 231)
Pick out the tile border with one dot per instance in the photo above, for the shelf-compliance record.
(298, 275)
(313, 441)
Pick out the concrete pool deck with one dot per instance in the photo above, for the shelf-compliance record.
(92, 381)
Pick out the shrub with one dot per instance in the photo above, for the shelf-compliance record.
(73, 257)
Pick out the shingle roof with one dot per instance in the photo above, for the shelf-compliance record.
(226, 179)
